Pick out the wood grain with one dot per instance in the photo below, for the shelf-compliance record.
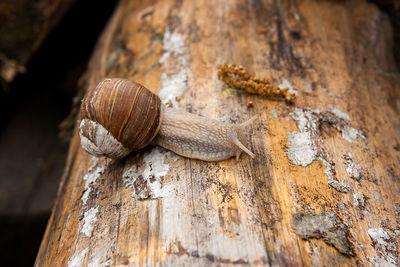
(155, 208)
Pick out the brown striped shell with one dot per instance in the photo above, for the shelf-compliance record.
(119, 116)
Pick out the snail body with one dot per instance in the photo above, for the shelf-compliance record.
(120, 116)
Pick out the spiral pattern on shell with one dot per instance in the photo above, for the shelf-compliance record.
(119, 115)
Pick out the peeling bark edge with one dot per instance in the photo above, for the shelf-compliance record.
(327, 226)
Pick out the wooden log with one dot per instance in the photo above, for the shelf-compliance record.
(324, 187)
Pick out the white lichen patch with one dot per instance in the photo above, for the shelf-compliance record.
(305, 120)
(353, 169)
(90, 180)
(77, 260)
(89, 218)
(91, 177)
(173, 85)
(341, 187)
(379, 235)
(350, 134)
(358, 200)
(85, 195)
(173, 45)
(286, 84)
(329, 171)
(302, 151)
(386, 247)
(339, 113)
(147, 180)
(380, 262)
(307, 144)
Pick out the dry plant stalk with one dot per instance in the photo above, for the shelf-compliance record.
(238, 77)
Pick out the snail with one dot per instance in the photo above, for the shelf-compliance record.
(120, 116)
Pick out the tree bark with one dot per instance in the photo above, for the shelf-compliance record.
(324, 187)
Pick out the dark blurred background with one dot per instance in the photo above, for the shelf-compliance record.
(37, 99)
(32, 106)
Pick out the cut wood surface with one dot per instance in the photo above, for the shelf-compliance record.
(324, 188)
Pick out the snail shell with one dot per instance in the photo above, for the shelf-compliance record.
(120, 116)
